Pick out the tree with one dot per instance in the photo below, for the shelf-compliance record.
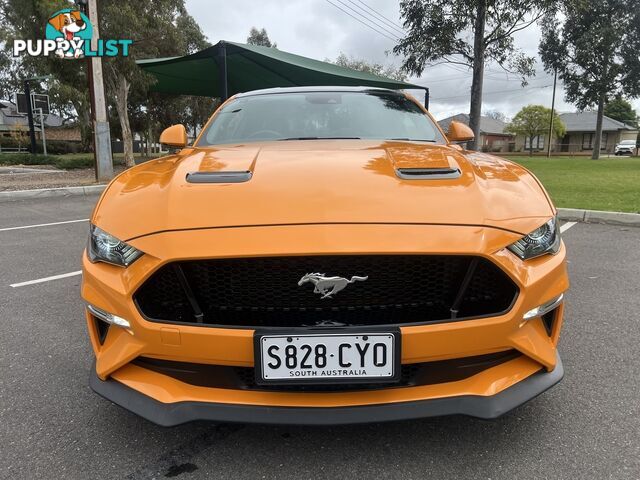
(438, 31)
(621, 110)
(533, 121)
(496, 115)
(68, 88)
(159, 28)
(260, 37)
(375, 68)
(594, 47)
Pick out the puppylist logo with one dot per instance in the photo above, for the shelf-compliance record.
(68, 35)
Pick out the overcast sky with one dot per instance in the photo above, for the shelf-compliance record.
(317, 29)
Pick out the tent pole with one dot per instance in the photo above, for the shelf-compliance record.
(222, 64)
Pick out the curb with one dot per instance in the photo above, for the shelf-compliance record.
(15, 195)
(596, 216)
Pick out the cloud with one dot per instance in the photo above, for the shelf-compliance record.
(317, 29)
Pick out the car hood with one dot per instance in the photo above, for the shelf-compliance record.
(327, 181)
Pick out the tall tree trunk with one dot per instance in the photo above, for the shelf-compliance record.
(531, 146)
(84, 123)
(596, 147)
(122, 98)
(149, 139)
(478, 74)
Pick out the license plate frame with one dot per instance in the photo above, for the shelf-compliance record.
(355, 332)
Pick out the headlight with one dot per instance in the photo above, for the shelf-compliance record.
(107, 248)
(545, 239)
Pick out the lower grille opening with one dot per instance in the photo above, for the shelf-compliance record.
(243, 378)
(102, 328)
(264, 291)
(549, 319)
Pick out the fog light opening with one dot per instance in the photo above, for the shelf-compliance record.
(109, 318)
(541, 310)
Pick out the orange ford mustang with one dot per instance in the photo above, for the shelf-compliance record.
(323, 256)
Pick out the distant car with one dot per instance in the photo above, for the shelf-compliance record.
(626, 147)
(323, 255)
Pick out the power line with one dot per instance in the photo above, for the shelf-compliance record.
(375, 20)
(491, 93)
(365, 24)
(368, 20)
(390, 22)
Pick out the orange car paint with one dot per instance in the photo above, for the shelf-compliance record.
(323, 197)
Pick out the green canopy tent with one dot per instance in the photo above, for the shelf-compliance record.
(228, 68)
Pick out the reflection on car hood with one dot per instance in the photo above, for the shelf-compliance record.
(328, 181)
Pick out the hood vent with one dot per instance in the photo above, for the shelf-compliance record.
(427, 173)
(218, 177)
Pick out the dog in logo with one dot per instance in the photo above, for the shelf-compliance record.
(69, 24)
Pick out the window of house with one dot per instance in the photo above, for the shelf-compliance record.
(537, 141)
(588, 139)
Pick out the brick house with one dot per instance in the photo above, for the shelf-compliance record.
(12, 123)
(580, 135)
(493, 138)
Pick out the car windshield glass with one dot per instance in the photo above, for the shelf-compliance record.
(628, 142)
(320, 115)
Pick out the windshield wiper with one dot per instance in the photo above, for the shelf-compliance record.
(318, 138)
(405, 139)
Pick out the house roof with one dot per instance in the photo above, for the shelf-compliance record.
(488, 125)
(10, 116)
(586, 122)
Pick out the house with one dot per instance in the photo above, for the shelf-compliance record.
(13, 123)
(581, 133)
(493, 138)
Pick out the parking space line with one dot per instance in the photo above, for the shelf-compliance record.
(46, 279)
(567, 226)
(43, 225)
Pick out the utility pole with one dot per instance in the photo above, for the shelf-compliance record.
(101, 131)
(553, 106)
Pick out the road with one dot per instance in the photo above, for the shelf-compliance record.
(53, 426)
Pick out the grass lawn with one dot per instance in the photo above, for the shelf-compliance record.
(67, 161)
(573, 182)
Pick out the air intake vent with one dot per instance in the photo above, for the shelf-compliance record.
(427, 173)
(218, 177)
(265, 291)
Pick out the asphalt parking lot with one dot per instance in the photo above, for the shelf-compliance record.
(53, 426)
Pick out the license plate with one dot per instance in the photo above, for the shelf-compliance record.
(327, 358)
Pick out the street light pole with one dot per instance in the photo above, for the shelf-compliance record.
(101, 131)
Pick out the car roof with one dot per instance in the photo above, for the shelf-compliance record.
(269, 91)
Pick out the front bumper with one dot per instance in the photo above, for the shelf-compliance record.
(168, 401)
(171, 414)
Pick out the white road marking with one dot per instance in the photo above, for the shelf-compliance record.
(46, 279)
(567, 226)
(43, 225)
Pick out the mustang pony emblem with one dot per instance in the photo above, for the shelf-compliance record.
(328, 286)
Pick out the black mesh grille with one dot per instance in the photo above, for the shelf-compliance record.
(264, 291)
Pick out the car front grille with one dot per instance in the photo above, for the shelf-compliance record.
(264, 292)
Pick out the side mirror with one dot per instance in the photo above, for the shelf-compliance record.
(459, 132)
(175, 136)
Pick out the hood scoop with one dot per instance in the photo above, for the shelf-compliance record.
(219, 177)
(427, 173)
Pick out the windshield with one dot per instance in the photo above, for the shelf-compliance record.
(320, 115)
(628, 142)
